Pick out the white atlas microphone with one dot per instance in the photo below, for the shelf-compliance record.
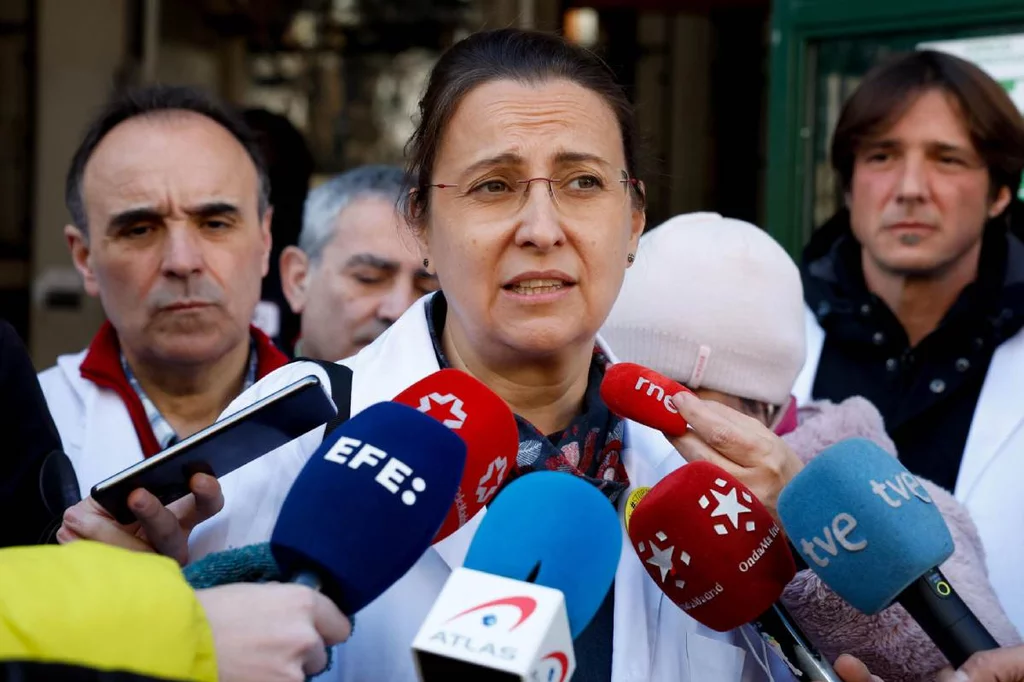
(512, 611)
(486, 627)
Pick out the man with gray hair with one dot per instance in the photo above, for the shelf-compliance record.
(356, 268)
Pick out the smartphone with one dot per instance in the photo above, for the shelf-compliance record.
(220, 448)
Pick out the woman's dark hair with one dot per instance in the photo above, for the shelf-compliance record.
(888, 91)
(512, 54)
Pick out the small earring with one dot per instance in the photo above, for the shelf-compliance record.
(630, 258)
(426, 262)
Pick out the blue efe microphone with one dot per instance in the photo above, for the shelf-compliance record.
(869, 529)
(573, 543)
(366, 505)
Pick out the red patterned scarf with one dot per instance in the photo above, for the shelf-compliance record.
(591, 446)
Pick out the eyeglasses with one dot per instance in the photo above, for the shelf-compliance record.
(578, 196)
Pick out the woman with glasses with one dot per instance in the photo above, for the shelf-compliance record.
(525, 202)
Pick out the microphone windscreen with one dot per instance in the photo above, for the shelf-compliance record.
(487, 426)
(365, 506)
(863, 523)
(634, 392)
(556, 530)
(711, 546)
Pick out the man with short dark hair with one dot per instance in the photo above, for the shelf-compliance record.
(171, 230)
(915, 290)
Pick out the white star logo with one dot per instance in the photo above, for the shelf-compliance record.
(496, 468)
(455, 408)
(729, 506)
(662, 558)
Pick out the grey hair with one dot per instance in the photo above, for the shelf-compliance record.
(326, 201)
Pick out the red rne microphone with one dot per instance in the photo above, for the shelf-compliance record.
(634, 392)
(714, 550)
(486, 424)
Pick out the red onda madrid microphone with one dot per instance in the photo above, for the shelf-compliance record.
(715, 551)
(711, 546)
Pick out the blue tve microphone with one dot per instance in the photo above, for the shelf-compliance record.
(868, 528)
(539, 567)
(366, 505)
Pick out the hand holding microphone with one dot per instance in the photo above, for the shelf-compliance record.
(851, 669)
(996, 665)
(738, 444)
(271, 632)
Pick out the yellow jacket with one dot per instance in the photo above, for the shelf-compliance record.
(90, 607)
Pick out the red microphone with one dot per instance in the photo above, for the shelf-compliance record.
(635, 392)
(715, 551)
(711, 546)
(486, 424)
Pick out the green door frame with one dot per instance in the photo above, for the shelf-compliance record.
(796, 24)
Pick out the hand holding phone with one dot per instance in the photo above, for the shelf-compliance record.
(160, 529)
(220, 448)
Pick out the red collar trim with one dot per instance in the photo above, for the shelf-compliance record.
(102, 366)
(268, 356)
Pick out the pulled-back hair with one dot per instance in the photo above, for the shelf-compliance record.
(507, 54)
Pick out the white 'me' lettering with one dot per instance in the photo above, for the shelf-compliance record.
(652, 388)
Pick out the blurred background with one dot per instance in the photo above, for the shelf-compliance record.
(736, 98)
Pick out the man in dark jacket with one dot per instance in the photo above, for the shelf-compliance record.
(915, 290)
(918, 280)
(30, 436)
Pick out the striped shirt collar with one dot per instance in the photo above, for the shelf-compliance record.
(162, 429)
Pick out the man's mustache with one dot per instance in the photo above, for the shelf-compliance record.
(888, 220)
(196, 291)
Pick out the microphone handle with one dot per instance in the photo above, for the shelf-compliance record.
(793, 646)
(313, 582)
(945, 618)
(307, 578)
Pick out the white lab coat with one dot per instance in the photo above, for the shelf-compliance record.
(654, 641)
(94, 425)
(992, 470)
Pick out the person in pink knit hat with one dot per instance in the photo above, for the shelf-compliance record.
(732, 330)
